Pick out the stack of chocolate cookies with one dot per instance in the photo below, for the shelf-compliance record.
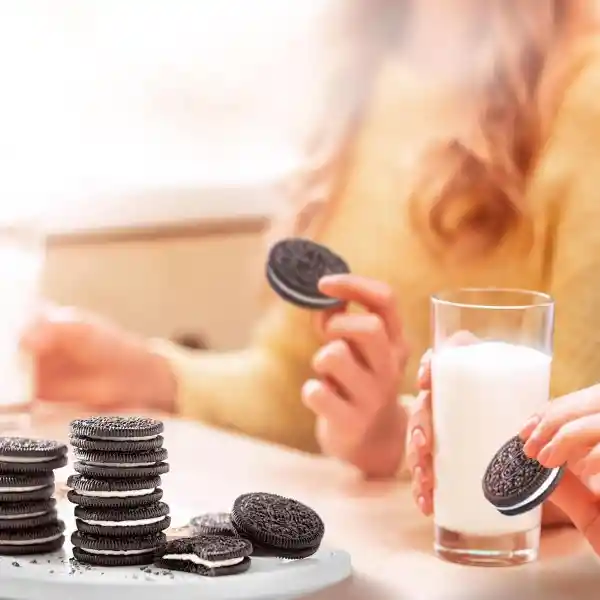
(119, 516)
(29, 522)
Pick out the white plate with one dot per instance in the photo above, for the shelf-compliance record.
(54, 577)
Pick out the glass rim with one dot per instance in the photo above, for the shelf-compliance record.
(452, 298)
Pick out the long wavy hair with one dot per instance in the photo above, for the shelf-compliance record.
(472, 186)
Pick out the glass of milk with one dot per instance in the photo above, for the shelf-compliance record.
(21, 261)
(492, 353)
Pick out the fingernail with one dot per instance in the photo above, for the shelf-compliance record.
(421, 373)
(531, 423)
(421, 503)
(418, 438)
(545, 455)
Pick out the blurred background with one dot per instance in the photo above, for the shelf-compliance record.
(154, 139)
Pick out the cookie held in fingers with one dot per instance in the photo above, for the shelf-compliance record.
(206, 555)
(116, 552)
(294, 268)
(514, 483)
(277, 526)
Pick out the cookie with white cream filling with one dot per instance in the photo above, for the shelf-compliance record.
(42, 540)
(125, 522)
(117, 429)
(206, 555)
(30, 455)
(117, 552)
(26, 488)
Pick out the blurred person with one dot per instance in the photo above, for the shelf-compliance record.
(462, 148)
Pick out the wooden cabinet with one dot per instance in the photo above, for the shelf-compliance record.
(164, 282)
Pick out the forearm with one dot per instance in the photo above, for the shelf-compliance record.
(246, 391)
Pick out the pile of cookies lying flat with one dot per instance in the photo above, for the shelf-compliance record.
(259, 525)
(29, 523)
(119, 515)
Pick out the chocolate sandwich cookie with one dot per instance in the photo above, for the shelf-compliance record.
(26, 455)
(26, 488)
(123, 522)
(277, 526)
(117, 552)
(295, 267)
(207, 555)
(113, 493)
(514, 483)
(117, 429)
(82, 443)
(121, 460)
(212, 524)
(101, 472)
(40, 540)
(31, 521)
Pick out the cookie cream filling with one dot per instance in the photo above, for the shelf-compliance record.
(119, 465)
(298, 296)
(27, 459)
(142, 438)
(541, 490)
(30, 542)
(17, 490)
(27, 516)
(118, 552)
(123, 523)
(113, 494)
(211, 564)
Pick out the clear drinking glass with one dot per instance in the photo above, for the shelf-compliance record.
(21, 261)
(492, 354)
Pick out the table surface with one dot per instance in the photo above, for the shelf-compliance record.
(390, 542)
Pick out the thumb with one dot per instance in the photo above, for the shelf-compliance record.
(580, 504)
(53, 326)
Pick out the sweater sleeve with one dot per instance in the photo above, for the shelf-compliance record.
(256, 391)
(575, 275)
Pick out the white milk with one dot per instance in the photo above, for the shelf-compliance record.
(19, 277)
(482, 395)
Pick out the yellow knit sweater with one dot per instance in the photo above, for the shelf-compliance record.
(257, 390)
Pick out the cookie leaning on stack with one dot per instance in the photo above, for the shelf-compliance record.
(29, 522)
(119, 516)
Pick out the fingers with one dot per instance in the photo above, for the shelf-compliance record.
(574, 498)
(570, 441)
(55, 327)
(366, 334)
(336, 362)
(375, 296)
(420, 431)
(558, 414)
(461, 338)
(424, 374)
(323, 400)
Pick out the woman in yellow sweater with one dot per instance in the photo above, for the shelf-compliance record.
(468, 156)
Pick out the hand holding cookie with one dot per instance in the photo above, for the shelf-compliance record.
(358, 371)
(420, 431)
(567, 431)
